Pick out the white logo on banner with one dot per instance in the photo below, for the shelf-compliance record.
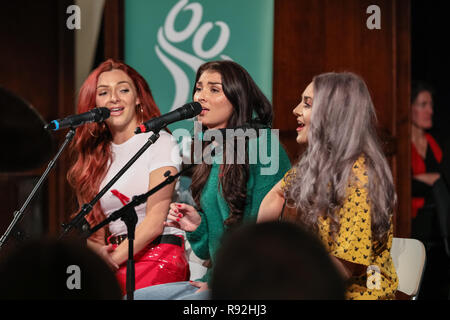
(168, 36)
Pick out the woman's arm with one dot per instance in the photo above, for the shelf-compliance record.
(428, 178)
(153, 223)
(348, 269)
(272, 204)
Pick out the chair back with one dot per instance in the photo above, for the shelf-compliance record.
(409, 260)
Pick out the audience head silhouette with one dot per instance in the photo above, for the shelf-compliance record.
(274, 260)
(60, 270)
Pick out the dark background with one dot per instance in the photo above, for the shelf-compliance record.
(430, 54)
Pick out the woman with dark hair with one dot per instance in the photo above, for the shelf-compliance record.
(426, 157)
(342, 186)
(227, 193)
(101, 150)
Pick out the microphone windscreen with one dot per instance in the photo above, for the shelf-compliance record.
(196, 108)
(103, 113)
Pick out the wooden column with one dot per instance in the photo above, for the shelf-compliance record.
(114, 29)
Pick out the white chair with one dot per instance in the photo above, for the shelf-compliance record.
(195, 263)
(409, 260)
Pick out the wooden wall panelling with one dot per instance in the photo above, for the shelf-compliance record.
(37, 65)
(114, 29)
(402, 132)
(60, 193)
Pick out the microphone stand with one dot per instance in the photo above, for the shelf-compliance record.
(87, 207)
(128, 215)
(19, 214)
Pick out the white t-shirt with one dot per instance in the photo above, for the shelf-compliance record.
(135, 181)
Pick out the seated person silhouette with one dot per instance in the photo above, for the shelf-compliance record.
(57, 270)
(274, 260)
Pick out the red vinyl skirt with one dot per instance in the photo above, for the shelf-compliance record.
(156, 264)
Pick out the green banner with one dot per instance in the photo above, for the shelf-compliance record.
(167, 40)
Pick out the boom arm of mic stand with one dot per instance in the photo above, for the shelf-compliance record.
(128, 215)
(135, 201)
(86, 208)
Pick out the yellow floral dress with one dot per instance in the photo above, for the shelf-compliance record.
(354, 242)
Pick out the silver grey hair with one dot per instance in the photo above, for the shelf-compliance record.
(342, 129)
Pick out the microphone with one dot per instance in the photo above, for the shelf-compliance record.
(93, 115)
(187, 111)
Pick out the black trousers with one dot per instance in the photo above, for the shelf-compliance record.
(432, 227)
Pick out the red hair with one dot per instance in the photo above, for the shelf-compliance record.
(91, 144)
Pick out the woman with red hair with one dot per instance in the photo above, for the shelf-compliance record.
(101, 150)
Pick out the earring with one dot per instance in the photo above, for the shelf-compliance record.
(141, 111)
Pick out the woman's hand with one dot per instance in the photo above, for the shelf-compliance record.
(201, 285)
(183, 216)
(105, 253)
(428, 178)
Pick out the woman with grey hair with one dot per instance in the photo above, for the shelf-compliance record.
(342, 187)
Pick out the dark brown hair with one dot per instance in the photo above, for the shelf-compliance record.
(247, 100)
